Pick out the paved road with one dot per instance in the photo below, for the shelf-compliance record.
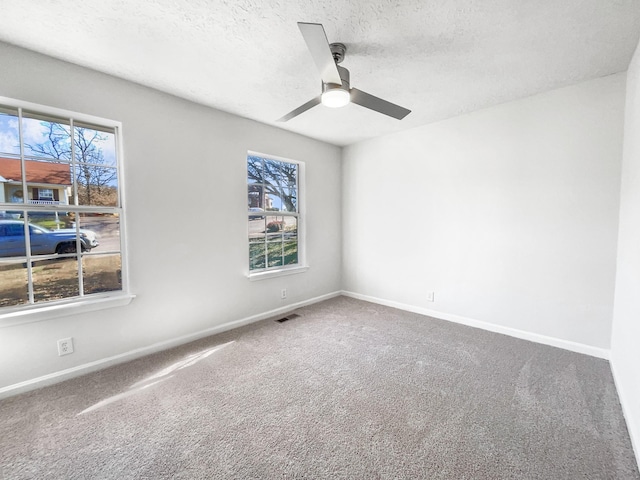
(108, 231)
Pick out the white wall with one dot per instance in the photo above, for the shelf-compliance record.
(508, 214)
(625, 343)
(187, 265)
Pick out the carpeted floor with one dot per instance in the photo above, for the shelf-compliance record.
(347, 390)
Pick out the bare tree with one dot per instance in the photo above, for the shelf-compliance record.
(278, 178)
(93, 176)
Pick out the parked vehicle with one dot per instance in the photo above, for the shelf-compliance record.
(43, 240)
(8, 214)
(258, 210)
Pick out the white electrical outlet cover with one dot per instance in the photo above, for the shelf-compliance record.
(65, 346)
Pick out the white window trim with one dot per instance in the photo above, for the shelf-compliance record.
(64, 308)
(301, 266)
(277, 272)
(21, 314)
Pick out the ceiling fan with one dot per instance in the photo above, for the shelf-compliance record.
(336, 90)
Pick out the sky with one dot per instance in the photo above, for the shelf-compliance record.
(34, 132)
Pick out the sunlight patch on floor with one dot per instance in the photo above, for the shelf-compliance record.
(184, 363)
(120, 396)
(158, 377)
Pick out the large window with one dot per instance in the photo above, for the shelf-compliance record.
(273, 187)
(60, 206)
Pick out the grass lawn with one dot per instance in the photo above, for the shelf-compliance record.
(57, 278)
(275, 254)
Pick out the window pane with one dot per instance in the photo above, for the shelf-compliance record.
(102, 273)
(11, 172)
(95, 170)
(95, 147)
(12, 239)
(48, 182)
(274, 254)
(272, 201)
(97, 185)
(46, 138)
(281, 174)
(289, 200)
(51, 232)
(256, 228)
(52, 220)
(13, 283)
(9, 134)
(290, 253)
(256, 256)
(255, 198)
(101, 232)
(281, 199)
(55, 279)
(290, 228)
(254, 170)
(55, 232)
(272, 174)
(275, 227)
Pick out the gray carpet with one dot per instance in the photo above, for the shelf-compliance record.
(347, 390)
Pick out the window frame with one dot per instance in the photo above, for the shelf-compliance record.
(84, 302)
(300, 215)
(46, 197)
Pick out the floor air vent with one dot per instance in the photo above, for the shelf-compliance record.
(291, 316)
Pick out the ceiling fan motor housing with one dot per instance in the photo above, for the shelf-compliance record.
(344, 76)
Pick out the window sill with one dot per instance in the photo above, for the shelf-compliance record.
(39, 313)
(277, 273)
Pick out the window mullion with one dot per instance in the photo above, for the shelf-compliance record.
(77, 216)
(266, 245)
(25, 197)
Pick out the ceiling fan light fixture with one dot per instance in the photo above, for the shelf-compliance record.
(336, 89)
(335, 97)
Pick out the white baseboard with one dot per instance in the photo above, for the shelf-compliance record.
(632, 427)
(62, 375)
(513, 332)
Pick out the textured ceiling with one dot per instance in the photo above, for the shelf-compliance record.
(438, 58)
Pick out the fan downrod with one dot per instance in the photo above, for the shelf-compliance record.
(338, 50)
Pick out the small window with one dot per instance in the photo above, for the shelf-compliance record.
(62, 241)
(45, 194)
(273, 199)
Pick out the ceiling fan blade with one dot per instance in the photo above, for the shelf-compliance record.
(301, 109)
(374, 103)
(318, 45)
